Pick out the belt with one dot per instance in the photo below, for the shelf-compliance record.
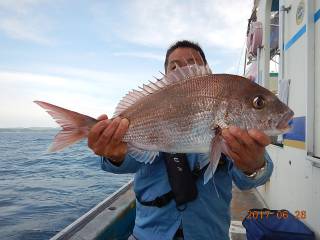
(158, 201)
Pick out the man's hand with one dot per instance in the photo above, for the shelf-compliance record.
(105, 138)
(246, 148)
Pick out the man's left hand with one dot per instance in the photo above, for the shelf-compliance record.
(246, 148)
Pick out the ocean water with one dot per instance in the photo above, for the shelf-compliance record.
(42, 193)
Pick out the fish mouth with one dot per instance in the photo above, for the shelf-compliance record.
(284, 123)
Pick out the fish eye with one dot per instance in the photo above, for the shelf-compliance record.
(258, 102)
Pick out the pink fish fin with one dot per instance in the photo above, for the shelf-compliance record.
(200, 69)
(64, 139)
(215, 187)
(158, 79)
(130, 99)
(214, 157)
(153, 85)
(208, 69)
(173, 77)
(187, 72)
(142, 155)
(224, 147)
(144, 91)
(196, 66)
(75, 126)
(182, 72)
(186, 61)
(194, 59)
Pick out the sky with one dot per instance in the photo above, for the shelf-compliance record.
(84, 55)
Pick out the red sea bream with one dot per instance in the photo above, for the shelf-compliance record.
(183, 112)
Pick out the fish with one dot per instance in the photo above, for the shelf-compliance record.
(183, 112)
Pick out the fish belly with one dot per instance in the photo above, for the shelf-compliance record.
(189, 134)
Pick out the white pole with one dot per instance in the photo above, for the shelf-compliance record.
(310, 78)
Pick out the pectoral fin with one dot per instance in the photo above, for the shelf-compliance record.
(214, 156)
(142, 155)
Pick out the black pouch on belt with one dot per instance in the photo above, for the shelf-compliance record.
(181, 179)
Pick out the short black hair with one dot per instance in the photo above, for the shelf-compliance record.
(184, 44)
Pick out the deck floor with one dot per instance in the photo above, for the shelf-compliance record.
(242, 201)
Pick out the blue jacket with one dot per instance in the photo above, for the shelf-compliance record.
(207, 217)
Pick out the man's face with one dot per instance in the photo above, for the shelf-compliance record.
(182, 56)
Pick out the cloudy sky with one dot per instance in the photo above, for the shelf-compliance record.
(85, 55)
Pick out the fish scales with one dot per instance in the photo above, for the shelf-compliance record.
(177, 117)
(183, 112)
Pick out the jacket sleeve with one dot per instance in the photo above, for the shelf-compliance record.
(129, 165)
(243, 182)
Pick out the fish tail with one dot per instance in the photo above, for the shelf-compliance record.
(75, 126)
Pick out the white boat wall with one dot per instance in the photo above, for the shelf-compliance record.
(295, 182)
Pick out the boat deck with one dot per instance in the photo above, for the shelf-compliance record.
(114, 217)
(241, 202)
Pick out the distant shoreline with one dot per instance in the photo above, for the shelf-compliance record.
(28, 129)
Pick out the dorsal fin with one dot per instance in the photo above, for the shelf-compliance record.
(177, 75)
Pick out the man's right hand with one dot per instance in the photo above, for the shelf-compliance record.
(105, 138)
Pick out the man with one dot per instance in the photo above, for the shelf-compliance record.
(206, 217)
